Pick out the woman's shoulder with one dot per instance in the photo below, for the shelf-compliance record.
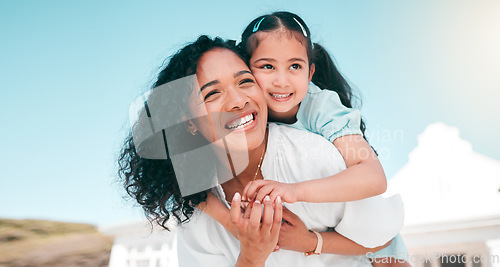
(280, 129)
(279, 133)
(295, 153)
(198, 221)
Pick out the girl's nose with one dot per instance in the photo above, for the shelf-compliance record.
(281, 79)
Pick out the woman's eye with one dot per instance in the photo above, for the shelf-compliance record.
(210, 94)
(295, 66)
(267, 67)
(247, 81)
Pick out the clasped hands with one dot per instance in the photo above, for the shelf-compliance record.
(257, 228)
(263, 225)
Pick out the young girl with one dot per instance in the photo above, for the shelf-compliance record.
(290, 69)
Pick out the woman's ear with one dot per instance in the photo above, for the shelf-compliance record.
(312, 68)
(190, 127)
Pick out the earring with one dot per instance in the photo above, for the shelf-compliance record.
(190, 127)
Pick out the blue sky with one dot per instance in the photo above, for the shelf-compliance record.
(70, 69)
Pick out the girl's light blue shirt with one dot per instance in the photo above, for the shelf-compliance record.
(322, 112)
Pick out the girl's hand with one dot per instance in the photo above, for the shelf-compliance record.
(257, 239)
(257, 190)
(294, 235)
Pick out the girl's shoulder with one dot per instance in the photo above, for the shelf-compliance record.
(314, 89)
(323, 113)
(319, 97)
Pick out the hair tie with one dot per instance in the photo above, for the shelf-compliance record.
(257, 25)
(302, 27)
(238, 41)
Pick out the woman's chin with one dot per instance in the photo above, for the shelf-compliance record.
(243, 141)
(250, 136)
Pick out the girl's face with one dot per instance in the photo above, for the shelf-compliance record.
(232, 98)
(281, 67)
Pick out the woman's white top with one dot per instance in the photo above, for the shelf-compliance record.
(292, 156)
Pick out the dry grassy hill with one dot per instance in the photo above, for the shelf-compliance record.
(49, 243)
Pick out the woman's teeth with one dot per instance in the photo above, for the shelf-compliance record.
(241, 122)
(280, 95)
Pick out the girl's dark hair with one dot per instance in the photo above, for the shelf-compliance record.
(326, 75)
(152, 182)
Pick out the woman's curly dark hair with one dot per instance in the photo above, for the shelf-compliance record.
(152, 182)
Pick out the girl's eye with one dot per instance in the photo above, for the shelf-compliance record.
(267, 67)
(295, 66)
(211, 94)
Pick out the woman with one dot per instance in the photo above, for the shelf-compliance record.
(235, 104)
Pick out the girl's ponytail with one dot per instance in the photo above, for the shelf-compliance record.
(327, 77)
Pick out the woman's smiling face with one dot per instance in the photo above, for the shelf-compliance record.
(234, 101)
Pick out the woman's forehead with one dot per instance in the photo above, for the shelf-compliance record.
(219, 61)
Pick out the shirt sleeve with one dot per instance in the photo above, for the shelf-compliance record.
(396, 249)
(372, 222)
(322, 112)
(197, 246)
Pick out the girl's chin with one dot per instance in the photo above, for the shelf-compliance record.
(281, 107)
(282, 110)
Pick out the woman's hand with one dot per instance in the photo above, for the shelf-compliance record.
(294, 235)
(257, 239)
(257, 190)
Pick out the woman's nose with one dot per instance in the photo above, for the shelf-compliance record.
(236, 99)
